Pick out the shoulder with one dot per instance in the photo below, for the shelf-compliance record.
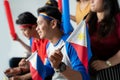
(65, 36)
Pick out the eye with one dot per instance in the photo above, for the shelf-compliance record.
(40, 23)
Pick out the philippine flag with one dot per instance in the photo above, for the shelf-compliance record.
(36, 67)
(79, 39)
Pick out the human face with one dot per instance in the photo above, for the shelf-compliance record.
(43, 27)
(28, 30)
(96, 5)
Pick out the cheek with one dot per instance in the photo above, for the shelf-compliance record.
(27, 33)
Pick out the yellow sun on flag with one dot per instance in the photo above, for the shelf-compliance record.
(81, 36)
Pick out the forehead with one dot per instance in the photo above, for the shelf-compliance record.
(40, 18)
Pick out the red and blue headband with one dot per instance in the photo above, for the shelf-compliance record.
(25, 26)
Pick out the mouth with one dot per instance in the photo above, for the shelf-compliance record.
(39, 33)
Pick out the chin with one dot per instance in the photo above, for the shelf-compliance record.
(41, 37)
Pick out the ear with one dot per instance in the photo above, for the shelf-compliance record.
(53, 23)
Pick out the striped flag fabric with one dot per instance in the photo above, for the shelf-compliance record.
(36, 67)
(79, 39)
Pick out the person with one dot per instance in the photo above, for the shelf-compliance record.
(62, 60)
(104, 28)
(82, 9)
(27, 24)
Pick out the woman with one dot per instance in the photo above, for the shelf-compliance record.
(104, 28)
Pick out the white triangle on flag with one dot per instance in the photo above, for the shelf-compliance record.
(78, 36)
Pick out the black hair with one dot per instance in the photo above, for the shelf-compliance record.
(52, 12)
(107, 25)
(26, 18)
(52, 3)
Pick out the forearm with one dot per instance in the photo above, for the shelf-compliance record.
(115, 59)
(72, 74)
(28, 48)
(26, 76)
(73, 18)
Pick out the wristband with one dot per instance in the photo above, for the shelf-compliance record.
(108, 63)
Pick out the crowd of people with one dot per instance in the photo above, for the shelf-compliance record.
(58, 59)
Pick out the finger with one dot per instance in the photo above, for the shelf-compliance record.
(58, 53)
(52, 59)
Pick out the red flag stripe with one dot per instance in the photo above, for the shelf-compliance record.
(82, 54)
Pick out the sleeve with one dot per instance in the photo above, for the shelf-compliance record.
(44, 70)
(75, 62)
(31, 42)
(33, 47)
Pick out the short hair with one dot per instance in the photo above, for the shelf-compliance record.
(50, 11)
(26, 18)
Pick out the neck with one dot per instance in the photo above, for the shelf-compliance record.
(36, 35)
(100, 16)
(55, 37)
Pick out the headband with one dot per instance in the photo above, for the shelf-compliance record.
(46, 16)
(25, 26)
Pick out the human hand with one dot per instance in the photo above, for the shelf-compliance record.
(56, 58)
(24, 65)
(17, 78)
(15, 38)
(23, 62)
(12, 71)
(99, 65)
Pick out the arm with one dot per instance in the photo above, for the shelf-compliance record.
(115, 59)
(28, 48)
(24, 67)
(99, 64)
(26, 76)
(12, 71)
(68, 73)
(77, 67)
(73, 18)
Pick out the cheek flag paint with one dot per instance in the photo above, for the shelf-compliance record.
(9, 18)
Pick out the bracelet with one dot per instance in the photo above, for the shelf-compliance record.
(108, 63)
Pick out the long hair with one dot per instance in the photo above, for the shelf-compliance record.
(107, 25)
